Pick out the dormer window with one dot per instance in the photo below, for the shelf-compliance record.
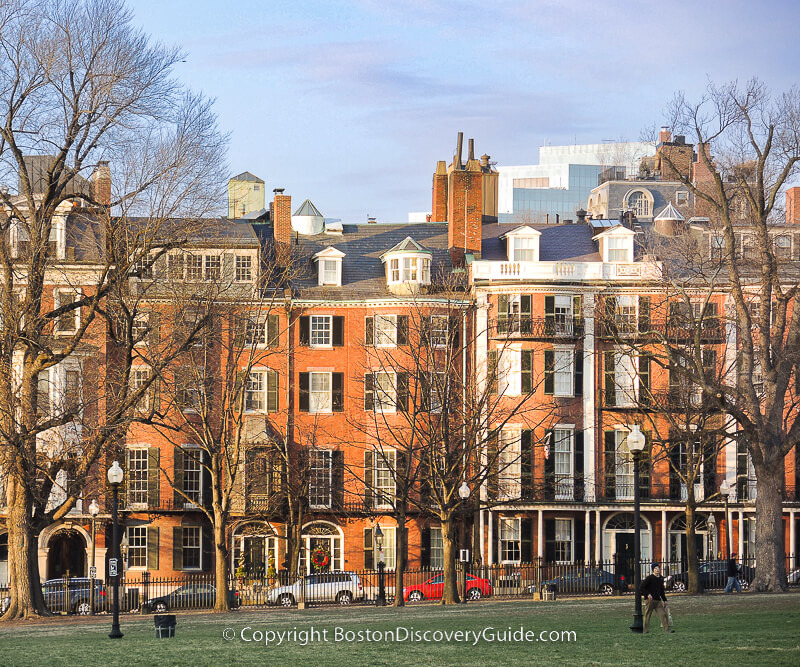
(523, 244)
(407, 264)
(618, 249)
(329, 266)
(616, 244)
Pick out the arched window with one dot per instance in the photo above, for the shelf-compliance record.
(640, 204)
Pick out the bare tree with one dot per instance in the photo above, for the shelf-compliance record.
(79, 87)
(748, 150)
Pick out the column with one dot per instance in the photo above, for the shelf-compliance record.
(589, 358)
(490, 560)
(587, 551)
(598, 547)
(664, 548)
(482, 542)
(792, 543)
(740, 550)
(540, 534)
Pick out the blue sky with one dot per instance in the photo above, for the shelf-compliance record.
(351, 103)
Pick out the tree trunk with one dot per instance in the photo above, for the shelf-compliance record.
(400, 557)
(770, 556)
(25, 588)
(693, 581)
(450, 592)
(221, 564)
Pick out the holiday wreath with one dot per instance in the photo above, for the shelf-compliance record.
(320, 557)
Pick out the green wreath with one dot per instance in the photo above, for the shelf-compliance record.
(320, 557)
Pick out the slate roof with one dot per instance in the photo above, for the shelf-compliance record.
(247, 176)
(557, 243)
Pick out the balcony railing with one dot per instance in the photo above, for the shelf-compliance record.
(711, 330)
(165, 505)
(521, 326)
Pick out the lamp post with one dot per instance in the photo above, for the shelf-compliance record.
(636, 444)
(712, 532)
(115, 476)
(725, 490)
(94, 510)
(464, 493)
(380, 601)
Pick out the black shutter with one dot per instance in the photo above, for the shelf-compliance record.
(577, 315)
(207, 549)
(205, 472)
(526, 465)
(425, 547)
(644, 313)
(578, 389)
(240, 326)
(303, 392)
(369, 392)
(154, 334)
(402, 329)
(549, 540)
(675, 465)
(338, 330)
(578, 465)
(610, 327)
(609, 377)
(550, 315)
(453, 332)
(272, 391)
(273, 331)
(526, 541)
(549, 372)
(550, 465)
(741, 470)
(502, 313)
(369, 331)
(177, 479)
(369, 469)
(645, 465)
(152, 548)
(525, 311)
(493, 370)
(580, 541)
(153, 477)
(610, 454)
(305, 330)
(337, 479)
(493, 480)
(644, 379)
(709, 467)
(177, 548)
(527, 371)
(402, 392)
(337, 381)
(369, 552)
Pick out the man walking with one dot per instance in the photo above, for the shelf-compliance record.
(652, 588)
(733, 575)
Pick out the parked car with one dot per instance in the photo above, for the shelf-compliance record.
(191, 596)
(432, 589)
(340, 587)
(713, 574)
(78, 592)
(584, 580)
(794, 577)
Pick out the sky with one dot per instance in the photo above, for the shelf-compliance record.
(351, 103)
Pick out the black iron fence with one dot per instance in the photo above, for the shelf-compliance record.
(142, 593)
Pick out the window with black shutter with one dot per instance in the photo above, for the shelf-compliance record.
(578, 389)
(305, 330)
(578, 466)
(549, 372)
(549, 465)
(338, 330)
(526, 362)
(609, 378)
(337, 383)
(303, 389)
(610, 458)
(526, 464)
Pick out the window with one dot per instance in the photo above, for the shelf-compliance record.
(525, 249)
(618, 249)
(783, 247)
(192, 540)
(143, 266)
(192, 476)
(71, 397)
(439, 326)
(261, 391)
(139, 377)
(624, 467)
(330, 272)
(141, 327)
(394, 268)
(258, 331)
(175, 265)
(563, 379)
(510, 538)
(625, 379)
(381, 391)
(389, 547)
(137, 476)
(437, 549)
(320, 393)
(137, 547)
(385, 330)
(563, 460)
(562, 320)
(509, 465)
(437, 390)
(639, 203)
(190, 389)
(194, 267)
(320, 483)
(320, 330)
(43, 394)
(564, 540)
(69, 321)
(626, 316)
(244, 268)
(213, 267)
(383, 479)
(718, 246)
(409, 269)
(682, 198)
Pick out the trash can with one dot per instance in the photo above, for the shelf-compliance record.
(549, 592)
(165, 625)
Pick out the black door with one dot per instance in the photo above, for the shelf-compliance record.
(625, 560)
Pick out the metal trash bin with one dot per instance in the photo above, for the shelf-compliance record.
(165, 625)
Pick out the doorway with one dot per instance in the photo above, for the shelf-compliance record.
(624, 554)
(66, 555)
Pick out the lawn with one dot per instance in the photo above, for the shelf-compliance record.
(710, 630)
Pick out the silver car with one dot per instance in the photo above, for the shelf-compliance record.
(340, 587)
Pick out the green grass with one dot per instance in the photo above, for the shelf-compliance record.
(710, 630)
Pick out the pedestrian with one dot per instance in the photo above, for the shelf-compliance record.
(652, 588)
(733, 575)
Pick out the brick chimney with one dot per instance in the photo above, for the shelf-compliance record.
(664, 135)
(101, 183)
(464, 207)
(439, 208)
(793, 206)
(281, 214)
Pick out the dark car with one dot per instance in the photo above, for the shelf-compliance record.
(583, 580)
(191, 596)
(713, 574)
(73, 595)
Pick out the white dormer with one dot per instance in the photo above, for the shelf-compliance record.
(408, 265)
(329, 266)
(522, 244)
(616, 244)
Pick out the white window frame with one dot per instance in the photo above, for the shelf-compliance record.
(137, 547)
(138, 377)
(624, 480)
(563, 371)
(137, 477)
(212, 267)
(563, 462)
(564, 540)
(192, 465)
(192, 540)
(320, 399)
(320, 466)
(329, 271)
(76, 295)
(193, 267)
(320, 331)
(562, 315)
(394, 270)
(255, 392)
(437, 549)
(389, 548)
(509, 371)
(618, 249)
(384, 391)
(243, 269)
(385, 330)
(509, 461)
(140, 328)
(682, 197)
(524, 248)
(383, 481)
(439, 328)
(626, 379)
(510, 537)
(782, 246)
(413, 268)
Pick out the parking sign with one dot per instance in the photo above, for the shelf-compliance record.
(112, 567)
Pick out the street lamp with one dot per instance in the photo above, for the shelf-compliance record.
(725, 491)
(94, 510)
(464, 493)
(381, 599)
(712, 531)
(636, 444)
(115, 476)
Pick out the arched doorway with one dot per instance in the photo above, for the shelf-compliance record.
(322, 549)
(678, 553)
(618, 543)
(253, 545)
(66, 555)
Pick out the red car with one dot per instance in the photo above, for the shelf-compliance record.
(432, 589)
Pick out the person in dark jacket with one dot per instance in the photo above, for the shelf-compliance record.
(733, 575)
(652, 588)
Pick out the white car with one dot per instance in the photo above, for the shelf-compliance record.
(794, 577)
(340, 587)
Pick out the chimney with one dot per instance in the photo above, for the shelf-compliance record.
(664, 135)
(101, 183)
(281, 213)
(459, 145)
(471, 149)
(464, 207)
(439, 208)
(581, 214)
(793, 206)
